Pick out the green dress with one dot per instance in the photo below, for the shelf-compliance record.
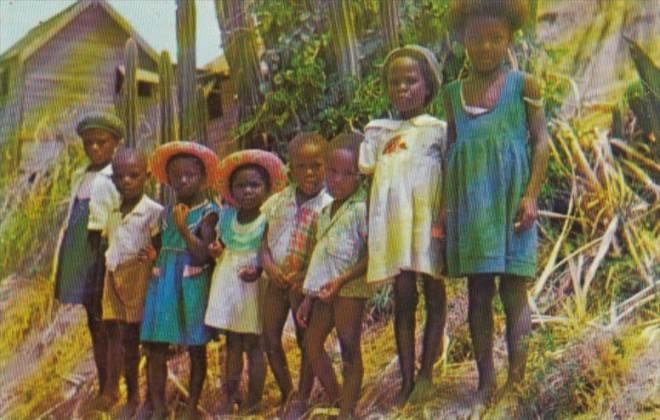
(488, 170)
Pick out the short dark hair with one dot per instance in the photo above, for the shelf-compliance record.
(514, 12)
(305, 138)
(179, 156)
(265, 176)
(346, 141)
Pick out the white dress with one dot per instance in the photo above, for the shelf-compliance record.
(406, 161)
(235, 305)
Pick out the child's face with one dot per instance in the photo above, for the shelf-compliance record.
(249, 189)
(308, 168)
(129, 176)
(486, 40)
(186, 177)
(343, 175)
(99, 145)
(407, 88)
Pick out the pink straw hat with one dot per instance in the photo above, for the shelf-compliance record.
(164, 153)
(269, 161)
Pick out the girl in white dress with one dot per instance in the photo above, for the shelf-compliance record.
(405, 157)
(235, 299)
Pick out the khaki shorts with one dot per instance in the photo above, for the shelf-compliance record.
(124, 291)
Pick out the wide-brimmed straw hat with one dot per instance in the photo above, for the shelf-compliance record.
(164, 153)
(269, 161)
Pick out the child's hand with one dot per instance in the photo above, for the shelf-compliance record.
(180, 214)
(438, 230)
(215, 249)
(527, 214)
(294, 278)
(304, 311)
(249, 274)
(148, 254)
(330, 290)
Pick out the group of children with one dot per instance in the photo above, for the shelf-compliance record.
(414, 199)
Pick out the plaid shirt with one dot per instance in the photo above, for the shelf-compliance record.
(291, 228)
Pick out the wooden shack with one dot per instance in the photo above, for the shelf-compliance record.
(72, 64)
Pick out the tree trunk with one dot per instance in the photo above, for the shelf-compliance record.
(186, 70)
(345, 45)
(238, 41)
(389, 20)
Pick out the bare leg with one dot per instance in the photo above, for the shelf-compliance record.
(348, 320)
(99, 344)
(513, 292)
(481, 290)
(320, 324)
(256, 372)
(233, 371)
(197, 356)
(114, 366)
(157, 377)
(405, 301)
(306, 378)
(276, 310)
(131, 341)
(436, 314)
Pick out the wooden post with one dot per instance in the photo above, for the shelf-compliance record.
(344, 45)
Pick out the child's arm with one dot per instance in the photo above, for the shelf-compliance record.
(539, 138)
(267, 262)
(198, 246)
(150, 252)
(451, 123)
(331, 289)
(304, 311)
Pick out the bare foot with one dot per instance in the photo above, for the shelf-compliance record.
(403, 396)
(423, 390)
(295, 410)
(105, 402)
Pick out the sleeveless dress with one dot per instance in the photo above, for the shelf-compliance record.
(178, 293)
(488, 170)
(235, 305)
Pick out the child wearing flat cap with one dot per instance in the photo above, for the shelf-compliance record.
(78, 264)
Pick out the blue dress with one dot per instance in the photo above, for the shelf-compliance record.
(487, 173)
(178, 293)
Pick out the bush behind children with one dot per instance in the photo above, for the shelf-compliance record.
(415, 199)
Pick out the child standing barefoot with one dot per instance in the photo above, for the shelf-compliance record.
(286, 249)
(129, 228)
(178, 293)
(335, 286)
(235, 303)
(492, 183)
(79, 262)
(405, 157)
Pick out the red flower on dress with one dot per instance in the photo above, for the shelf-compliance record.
(395, 144)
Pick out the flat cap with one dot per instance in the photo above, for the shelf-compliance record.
(103, 120)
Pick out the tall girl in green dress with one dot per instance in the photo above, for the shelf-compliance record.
(495, 119)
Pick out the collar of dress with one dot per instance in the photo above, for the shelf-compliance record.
(419, 121)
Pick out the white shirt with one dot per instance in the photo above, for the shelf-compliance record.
(128, 234)
(104, 198)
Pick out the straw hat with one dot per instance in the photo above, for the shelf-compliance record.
(269, 161)
(164, 153)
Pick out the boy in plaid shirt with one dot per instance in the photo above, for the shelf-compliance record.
(288, 242)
